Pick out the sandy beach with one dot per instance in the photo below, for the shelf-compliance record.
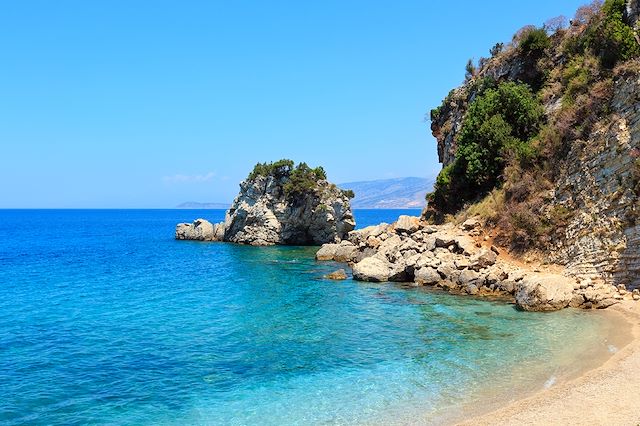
(606, 395)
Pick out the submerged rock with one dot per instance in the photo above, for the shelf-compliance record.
(338, 275)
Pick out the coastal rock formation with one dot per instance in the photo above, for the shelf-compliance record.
(199, 230)
(280, 204)
(588, 206)
(454, 259)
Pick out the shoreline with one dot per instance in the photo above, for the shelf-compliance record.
(608, 393)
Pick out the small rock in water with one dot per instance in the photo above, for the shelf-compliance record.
(340, 274)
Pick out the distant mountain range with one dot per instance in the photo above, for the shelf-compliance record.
(399, 193)
(196, 205)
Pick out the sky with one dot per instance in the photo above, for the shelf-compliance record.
(147, 104)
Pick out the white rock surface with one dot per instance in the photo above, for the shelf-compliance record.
(538, 292)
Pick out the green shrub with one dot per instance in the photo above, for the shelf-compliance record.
(481, 85)
(348, 193)
(578, 76)
(469, 70)
(277, 169)
(611, 39)
(534, 41)
(443, 194)
(496, 49)
(498, 126)
(302, 180)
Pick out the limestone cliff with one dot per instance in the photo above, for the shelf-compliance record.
(581, 209)
(280, 204)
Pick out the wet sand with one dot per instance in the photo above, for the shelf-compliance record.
(606, 395)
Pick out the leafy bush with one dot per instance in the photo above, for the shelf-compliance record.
(611, 39)
(348, 193)
(300, 179)
(303, 179)
(498, 126)
(578, 76)
(481, 85)
(470, 70)
(277, 169)
(534, 41)
(496, 49)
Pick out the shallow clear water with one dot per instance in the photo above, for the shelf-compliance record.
(105, 319)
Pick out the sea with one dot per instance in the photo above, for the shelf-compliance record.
(106, 319)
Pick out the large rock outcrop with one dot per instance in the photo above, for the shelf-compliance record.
(594, 189)
(458, 260)
(544, 293)
(199, 230)
(279, 204)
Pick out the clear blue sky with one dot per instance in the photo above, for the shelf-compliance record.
(148, 104)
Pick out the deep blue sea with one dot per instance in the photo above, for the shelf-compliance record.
(106, 319)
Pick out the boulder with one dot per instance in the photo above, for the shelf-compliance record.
(340, 274)
(372, 269)
(466, 245)
(407, 224)
(507, 286)
(426, 276)
(327, 251)
(370, 232)
(345, 252)
(199, 230)
(448, 271)
(605, 303)
(483, 259)
(538, 292)
(444, 239)
(468, 277)
(470, 224)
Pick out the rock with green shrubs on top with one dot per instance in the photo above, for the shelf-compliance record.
(284, 203)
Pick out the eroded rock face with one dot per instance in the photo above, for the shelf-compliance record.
(595, 182)
(264, 213)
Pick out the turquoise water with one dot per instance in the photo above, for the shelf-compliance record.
(105, 319)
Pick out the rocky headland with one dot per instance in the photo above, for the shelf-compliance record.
(280, 204)
(541, 145)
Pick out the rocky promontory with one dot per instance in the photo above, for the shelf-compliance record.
(280, 204)
(460, 259)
